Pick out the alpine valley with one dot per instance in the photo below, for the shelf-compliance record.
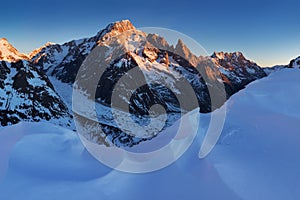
(38, 87)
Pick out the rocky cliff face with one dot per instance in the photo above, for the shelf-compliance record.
(236, 70)
(26, 94)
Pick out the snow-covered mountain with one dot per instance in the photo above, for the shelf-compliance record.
(26, 94)
(63, 62)
(156, 61)
(295, 63)
(236, 70)
(9, 53)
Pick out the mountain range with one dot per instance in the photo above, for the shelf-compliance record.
(38, 86)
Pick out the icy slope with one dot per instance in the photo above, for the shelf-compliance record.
(257, 156)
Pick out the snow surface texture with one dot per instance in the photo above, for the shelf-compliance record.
(256, 157)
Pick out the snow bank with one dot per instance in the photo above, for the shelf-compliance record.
(255, 158)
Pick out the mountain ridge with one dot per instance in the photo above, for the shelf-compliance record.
(156, 60)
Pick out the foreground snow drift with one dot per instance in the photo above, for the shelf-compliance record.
(256, 157)
(50, 163)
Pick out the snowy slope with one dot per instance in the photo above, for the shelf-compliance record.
(26, 94)
(269, 70)
(258, 152)
(256, 157)
(295, 63)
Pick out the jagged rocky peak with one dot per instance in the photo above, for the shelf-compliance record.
(182, 50)
(232, 60)
(227, 55)
(159, 42)
(219, 55)
(9, 53)
(121, 26)
(295, 63)
(237, 69)
(114, 29)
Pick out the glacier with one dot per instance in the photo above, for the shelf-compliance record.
(256, 156)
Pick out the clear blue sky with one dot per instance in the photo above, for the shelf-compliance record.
(266, 31)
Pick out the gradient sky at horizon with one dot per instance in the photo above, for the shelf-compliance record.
(266, 31)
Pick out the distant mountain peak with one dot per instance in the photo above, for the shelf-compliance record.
(38, 50)
(49, 43)
(120, 26)
(159, 42)
(114, 29)
(295, 63)
(182, 50)
(221, 55)
(9, 53)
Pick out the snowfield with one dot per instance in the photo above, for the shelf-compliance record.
(257, 156)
